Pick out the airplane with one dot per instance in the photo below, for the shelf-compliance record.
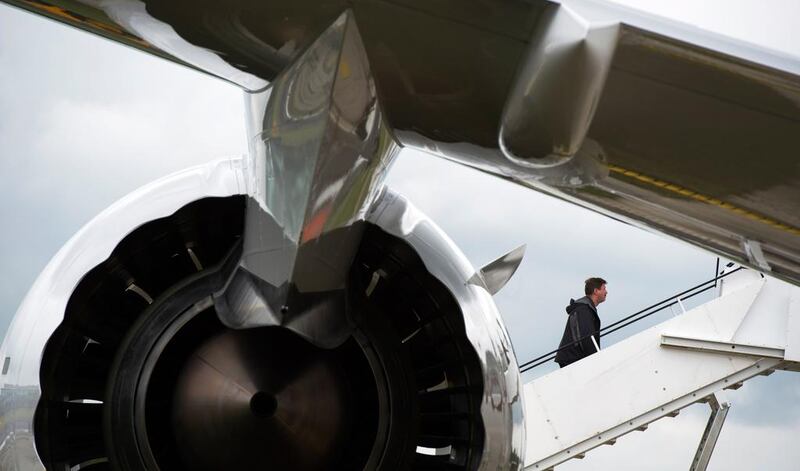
(300, 240)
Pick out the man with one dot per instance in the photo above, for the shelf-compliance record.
(582, 334)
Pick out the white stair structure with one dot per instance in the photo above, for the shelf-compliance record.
(752, 328)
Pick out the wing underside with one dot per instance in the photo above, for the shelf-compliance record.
(662, 126)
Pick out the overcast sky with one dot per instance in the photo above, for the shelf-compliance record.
(84, 121)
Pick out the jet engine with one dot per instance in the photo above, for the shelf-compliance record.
(119, 357)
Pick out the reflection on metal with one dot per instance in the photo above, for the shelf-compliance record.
(502, 406)
(89, 463)
(133, 17)
(499, 405)
(719, 410)
(554, 98)
(91, 19)
(195, 260)
(434, 451)
(321, 318)
(129, 22)
(319, 150)
(373, 282)
(496, 274)
(42, 310)
(133, 288)
(577, 91)
(642, 120)
(289, 408)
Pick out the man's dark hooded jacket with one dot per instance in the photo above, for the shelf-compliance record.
(582, 321)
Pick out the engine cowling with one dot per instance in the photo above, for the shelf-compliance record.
(129, 366)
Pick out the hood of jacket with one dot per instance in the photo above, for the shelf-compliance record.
(573, 304)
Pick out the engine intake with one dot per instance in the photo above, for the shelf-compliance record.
(141, 374)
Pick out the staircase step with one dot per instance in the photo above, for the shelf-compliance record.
(633, 397)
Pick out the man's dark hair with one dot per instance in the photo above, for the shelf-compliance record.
(593, 284)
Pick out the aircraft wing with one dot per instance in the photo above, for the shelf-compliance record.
(649, 121)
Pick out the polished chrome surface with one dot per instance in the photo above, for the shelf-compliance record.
(43, 308)
(655, 123)
(502, 406)
(207, 400)
(252, 399)
(319, 148)
(668, 127)
(547, 117)
(494, 275)
(697, 146)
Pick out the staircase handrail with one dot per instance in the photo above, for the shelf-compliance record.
(632, 319)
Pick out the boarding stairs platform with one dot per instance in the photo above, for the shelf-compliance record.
(752, 328)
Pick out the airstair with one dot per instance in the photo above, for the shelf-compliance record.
(752, 328)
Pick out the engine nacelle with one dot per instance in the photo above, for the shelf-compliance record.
(117, 358)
